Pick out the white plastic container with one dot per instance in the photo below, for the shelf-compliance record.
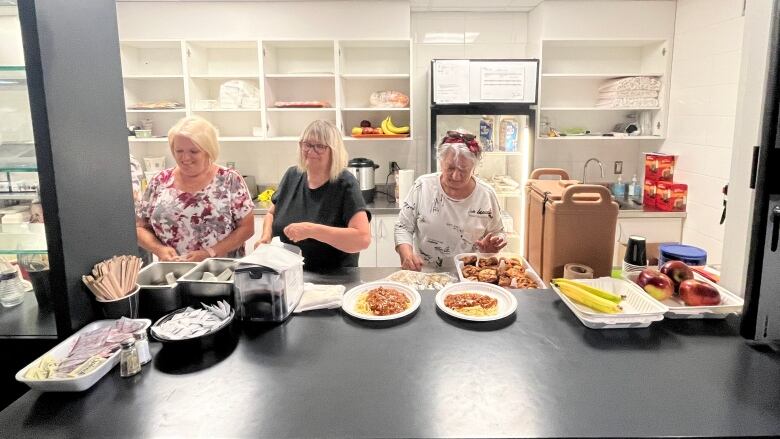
(528, 269)
(59, 352)
(730, 303)
(639, 309)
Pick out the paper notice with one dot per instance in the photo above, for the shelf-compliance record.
(451, 81)
(506, 83)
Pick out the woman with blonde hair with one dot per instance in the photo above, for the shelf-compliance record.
(196, 209)
(318, 205)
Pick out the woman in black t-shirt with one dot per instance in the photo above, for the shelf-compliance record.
(318, 205)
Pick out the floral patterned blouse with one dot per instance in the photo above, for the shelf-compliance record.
(191, 221)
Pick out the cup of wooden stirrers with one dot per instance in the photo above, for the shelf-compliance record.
(114, 284)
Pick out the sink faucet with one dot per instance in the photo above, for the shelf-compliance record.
(585, 168)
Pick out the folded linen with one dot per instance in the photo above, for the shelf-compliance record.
(629, 94)
(631, 83)
(320, 297)
(628, 103)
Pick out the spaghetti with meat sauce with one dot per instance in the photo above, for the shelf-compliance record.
(382, 302)
(472, 304)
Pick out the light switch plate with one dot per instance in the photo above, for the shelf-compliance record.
(618, 167)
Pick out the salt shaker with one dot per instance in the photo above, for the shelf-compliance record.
(142, 345)
(128, 358)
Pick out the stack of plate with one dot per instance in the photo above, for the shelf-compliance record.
(630, 268)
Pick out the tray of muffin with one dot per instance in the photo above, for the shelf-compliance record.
(507, 270)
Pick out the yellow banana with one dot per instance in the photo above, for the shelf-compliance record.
(394, 129)
(357, 130)
(592, 301)
(601, 293)
(384, 127)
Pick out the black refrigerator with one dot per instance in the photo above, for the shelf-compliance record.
(761, 314)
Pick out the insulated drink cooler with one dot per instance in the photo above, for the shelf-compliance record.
(568, 222)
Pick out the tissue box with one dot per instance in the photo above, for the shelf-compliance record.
(659, 167)
(266, 294)
(671, 196)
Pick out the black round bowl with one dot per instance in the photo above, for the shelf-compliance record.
(223, 338)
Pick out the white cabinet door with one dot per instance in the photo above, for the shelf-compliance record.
(386, 255)
(653, 229)
(250, 243)
(368, 256)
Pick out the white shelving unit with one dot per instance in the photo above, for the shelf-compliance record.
(573, 71)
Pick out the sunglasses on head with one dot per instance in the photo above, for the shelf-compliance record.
(465, 136)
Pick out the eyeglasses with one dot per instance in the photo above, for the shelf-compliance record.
(465, 136)
(316, 147)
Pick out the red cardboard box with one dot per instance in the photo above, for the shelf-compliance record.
(648, 196)
(659, 167)
(671, 196)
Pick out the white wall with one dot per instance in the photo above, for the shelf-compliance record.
(703, 103)
(752, 89)
(457, 35)
(11, 52)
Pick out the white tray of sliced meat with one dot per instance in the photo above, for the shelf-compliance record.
(82, 359)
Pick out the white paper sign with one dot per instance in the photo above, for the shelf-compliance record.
(502, 83)
(451, 81)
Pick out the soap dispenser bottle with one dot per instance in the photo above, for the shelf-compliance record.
(632, 188)
(619, 190)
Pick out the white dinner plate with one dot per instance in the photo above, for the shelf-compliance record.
(351, 298)
(507, 303)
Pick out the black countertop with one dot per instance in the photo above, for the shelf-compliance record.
(540, 373)
(26, 320)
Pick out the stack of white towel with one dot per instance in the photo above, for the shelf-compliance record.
(630, 92)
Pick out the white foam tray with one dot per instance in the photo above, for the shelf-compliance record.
(528, 269)
(507, 303)
(350, 299)
(59, 352)
(639, 309)
(730, 303)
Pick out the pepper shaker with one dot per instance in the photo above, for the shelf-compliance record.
(142, 345)
(128, 358)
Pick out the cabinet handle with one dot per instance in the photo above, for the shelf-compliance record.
(381, 228)
(775, 227)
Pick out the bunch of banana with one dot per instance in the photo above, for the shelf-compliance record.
(592, 297)
(389, 128)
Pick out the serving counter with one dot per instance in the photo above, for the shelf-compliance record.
(539, 373)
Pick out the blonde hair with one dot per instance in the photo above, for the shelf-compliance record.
(325, 133)
(200, 131)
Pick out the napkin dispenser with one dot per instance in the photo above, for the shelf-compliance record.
(266, 294)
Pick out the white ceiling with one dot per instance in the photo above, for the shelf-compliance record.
(473, 5)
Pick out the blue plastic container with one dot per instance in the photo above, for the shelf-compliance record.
(679, 252)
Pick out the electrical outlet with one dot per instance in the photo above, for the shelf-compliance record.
(618, 167)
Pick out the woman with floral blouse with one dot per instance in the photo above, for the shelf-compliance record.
(197, 209)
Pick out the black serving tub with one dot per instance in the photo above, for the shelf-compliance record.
(158, 298)
(223, 338)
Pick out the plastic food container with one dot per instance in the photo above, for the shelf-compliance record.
(679, 252)
(194, 289)
(528, 269)
(157, 297)
(143, 134)
(61, 351)
(730, 303)
(639, 309)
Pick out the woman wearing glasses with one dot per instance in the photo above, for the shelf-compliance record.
(449, 212)
(197, 209)
(318, 205)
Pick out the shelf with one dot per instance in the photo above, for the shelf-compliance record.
(229, 110)
(23, 238)
(241, 139)
(378, 139)
(602, 138)
(297, 110)
(146, 139)
(282, 139)
(18, 169)
(508, 194)
(300, 75)
(597, 109)
(375, 76)
(597, 75)
(18, 196)
(153, 77)
(376, 109)
(182, 110)
(226, 76)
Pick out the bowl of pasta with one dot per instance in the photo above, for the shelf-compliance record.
(381, 300)
(476, 301)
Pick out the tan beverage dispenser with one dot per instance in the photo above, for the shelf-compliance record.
(568, 222)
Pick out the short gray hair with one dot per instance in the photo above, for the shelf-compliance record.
(458, 149)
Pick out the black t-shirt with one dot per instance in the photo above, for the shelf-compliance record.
(332, 204)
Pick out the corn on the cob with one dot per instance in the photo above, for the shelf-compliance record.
(612, 297)
(579, 295)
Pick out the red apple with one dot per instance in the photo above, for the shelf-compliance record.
(678, 271)
(656, 284)
(697, 293)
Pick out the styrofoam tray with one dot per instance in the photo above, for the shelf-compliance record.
(528, 269)
(59, 352)
(507, 303)
(730, 303)
(639, 309)
(351, 297)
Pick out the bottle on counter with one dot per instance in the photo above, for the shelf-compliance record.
(508, 134)
(632, 187)
(142, 345)
(129, 363)
(619, 189)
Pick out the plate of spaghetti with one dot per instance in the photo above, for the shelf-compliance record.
(476, 301)
(381, 300)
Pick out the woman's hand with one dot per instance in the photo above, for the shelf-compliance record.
(263, 240)
(300, 231)
(491, 243)
(409, 259)
(167, 254)
(195, 256)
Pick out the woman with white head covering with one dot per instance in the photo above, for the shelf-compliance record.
(449, 212)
